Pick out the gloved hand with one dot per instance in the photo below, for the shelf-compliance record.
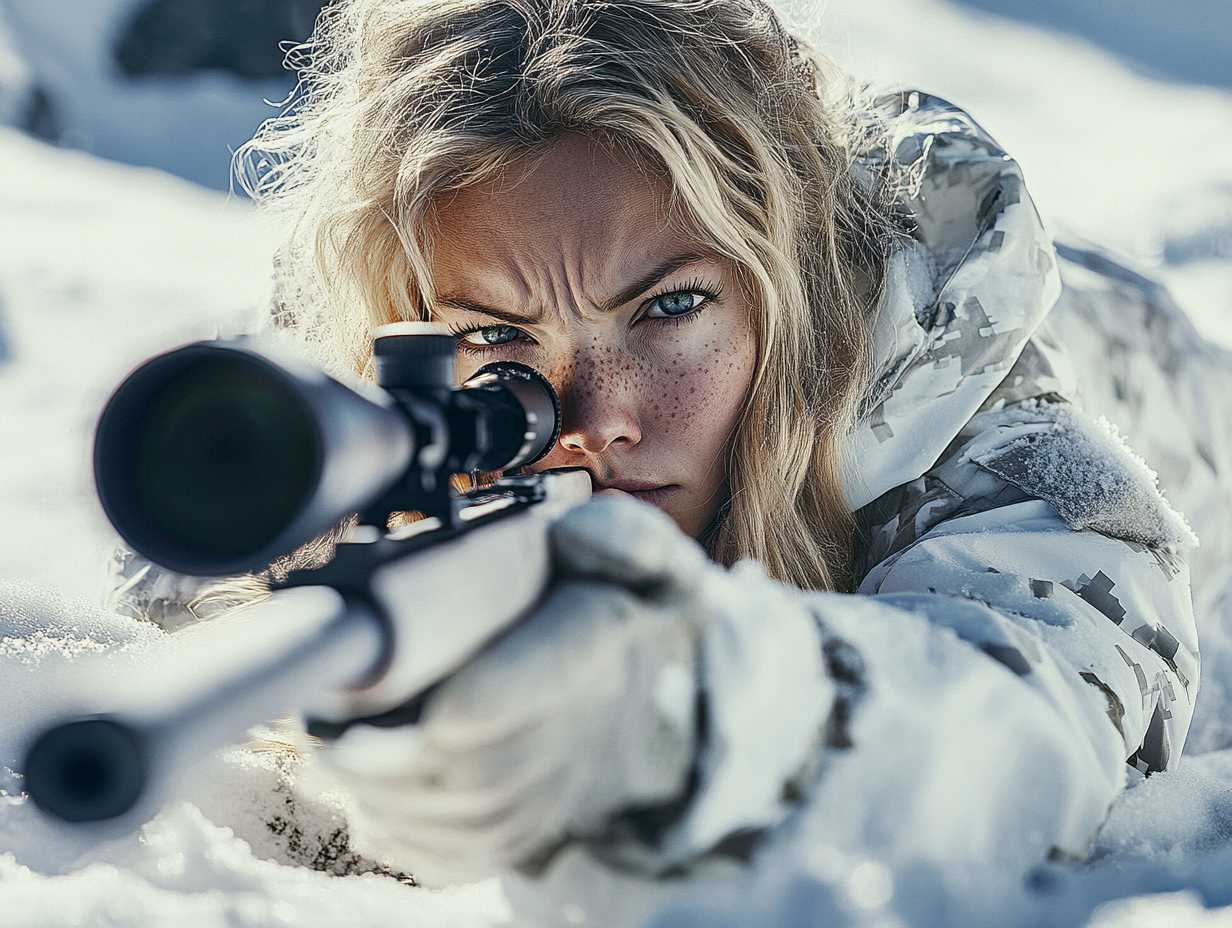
(586, 709)
(585, 723)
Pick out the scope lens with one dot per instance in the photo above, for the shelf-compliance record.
(205, 456)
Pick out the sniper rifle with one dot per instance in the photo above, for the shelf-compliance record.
(219, 458)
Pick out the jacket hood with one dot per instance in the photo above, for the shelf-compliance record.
(963, 295)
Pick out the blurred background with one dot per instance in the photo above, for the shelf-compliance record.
(120, 235)
(171, 84)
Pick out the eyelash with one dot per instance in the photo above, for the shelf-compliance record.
(460, 333)
(708, 291)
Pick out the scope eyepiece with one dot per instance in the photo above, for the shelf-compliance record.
(503, 417)
(527, 396)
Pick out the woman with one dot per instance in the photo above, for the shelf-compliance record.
(804, 322)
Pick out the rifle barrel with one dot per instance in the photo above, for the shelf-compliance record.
(210, 686)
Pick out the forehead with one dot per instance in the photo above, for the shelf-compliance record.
(579, 208)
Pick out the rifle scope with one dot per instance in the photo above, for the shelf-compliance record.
(215, 459)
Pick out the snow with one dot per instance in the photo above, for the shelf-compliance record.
(102, 265)
(187, 125)
(194, 864)
(183, 870)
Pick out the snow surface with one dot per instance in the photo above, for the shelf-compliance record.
(102, 265)
(186, 125)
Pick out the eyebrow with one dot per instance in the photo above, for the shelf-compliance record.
(634, 290)
(471, 306)
(648, 280)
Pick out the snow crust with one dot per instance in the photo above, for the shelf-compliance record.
(102, 265)
(183, 870)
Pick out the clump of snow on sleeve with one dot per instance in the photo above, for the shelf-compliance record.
(1084, 468)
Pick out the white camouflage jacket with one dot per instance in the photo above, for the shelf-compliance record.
(1024, 624)
(980, 476)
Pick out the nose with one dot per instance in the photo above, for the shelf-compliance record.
(599, 408)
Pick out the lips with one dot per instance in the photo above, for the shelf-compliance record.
(657, 494)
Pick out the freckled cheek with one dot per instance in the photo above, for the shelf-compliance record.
(601, 379)
(580, 379)
(559, 372)
(697, 400)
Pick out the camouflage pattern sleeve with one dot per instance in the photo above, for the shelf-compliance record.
(1044, 518)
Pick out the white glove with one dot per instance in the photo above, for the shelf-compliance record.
(585, 710)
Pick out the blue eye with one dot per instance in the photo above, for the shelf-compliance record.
(678, 303)
(490, 335)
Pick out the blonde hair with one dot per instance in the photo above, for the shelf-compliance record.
(403, 100)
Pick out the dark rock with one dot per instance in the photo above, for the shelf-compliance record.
(173, 38)
(5, 353)
(40, 121)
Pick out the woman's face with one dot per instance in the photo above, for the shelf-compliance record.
(572, 265)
